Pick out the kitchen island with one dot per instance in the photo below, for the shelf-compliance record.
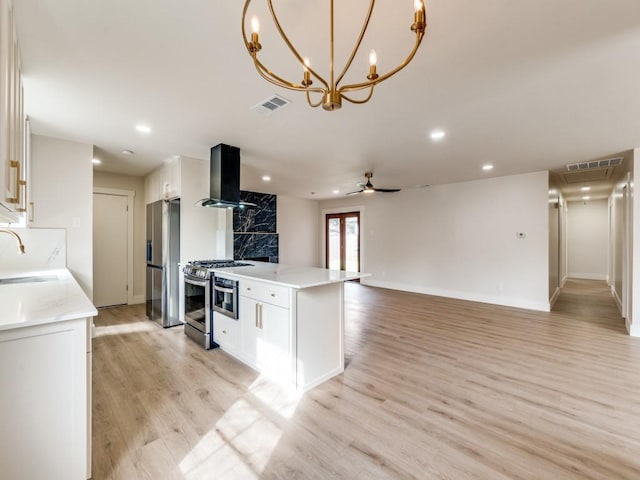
(290, 325)
(45, 375)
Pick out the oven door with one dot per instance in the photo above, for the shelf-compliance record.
(225, 297)
(197, 303)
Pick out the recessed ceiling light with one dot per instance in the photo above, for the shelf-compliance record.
(127, 152)
(143, 128)
(96, 161)
(266, 178)
(586, 188)
(335, 192)
(437, 135)
(488, 167)
(586, 197)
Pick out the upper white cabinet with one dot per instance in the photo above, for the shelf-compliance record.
(13, 138)
(164, 182)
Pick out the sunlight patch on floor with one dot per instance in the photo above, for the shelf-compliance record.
(119, 329)
(280, 399)
(243, 440)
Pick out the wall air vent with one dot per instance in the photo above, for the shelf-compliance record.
(270, 105)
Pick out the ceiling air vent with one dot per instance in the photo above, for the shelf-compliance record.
(592, 171)
(270, 105)
(609, 162)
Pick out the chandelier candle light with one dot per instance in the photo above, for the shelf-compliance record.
(332, 92)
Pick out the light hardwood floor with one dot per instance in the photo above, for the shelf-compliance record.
(434, 388)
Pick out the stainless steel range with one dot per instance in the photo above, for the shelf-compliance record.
(204, 293)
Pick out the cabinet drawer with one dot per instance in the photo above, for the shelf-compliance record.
(265, 292)
(226, 332)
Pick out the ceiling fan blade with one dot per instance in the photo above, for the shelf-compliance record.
(354, 193)
(387, 190)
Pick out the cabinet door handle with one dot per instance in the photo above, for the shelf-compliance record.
(257, 316)
(261, 326)
(248, 289)
(224, 331)
(273, 294)
(23, 205)
(16, 165)
(32, 212)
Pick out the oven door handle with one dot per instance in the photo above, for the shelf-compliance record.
(224, 290)
(193, 281)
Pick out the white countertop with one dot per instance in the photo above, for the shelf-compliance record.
(293, 277)
(38, 303)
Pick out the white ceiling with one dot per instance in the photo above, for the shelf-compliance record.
(526, 85)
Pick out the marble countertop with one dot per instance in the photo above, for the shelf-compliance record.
(293, 277)
(56, 299)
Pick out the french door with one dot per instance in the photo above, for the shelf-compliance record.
(343, 241)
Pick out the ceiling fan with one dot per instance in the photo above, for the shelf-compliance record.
(369, 188)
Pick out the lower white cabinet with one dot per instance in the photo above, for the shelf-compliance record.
(292, 335)
(265, 338)
(44, 401)
(226, 333)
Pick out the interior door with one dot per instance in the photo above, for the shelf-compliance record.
(110, 243)
(343, 241)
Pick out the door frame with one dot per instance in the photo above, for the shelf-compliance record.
(130, 194)
(343, 260)
(323, 231)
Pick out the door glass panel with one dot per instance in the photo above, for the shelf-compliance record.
(333, 231)
(351, 244)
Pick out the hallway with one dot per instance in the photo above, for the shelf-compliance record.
(589, 301)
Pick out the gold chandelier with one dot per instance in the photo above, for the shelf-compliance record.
(332, 92)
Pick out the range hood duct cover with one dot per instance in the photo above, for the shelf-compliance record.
(224, 178)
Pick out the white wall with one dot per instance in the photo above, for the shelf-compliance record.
(555, 208)
(634, 215)
(135, 184)
(621, 250)
(298, 225)
(459, 240)
(62, 193)
(588, 239)
(203, 232)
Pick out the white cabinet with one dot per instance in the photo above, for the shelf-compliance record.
(44, 402)
(292, 335)
(226, 333)
(265, 333)
(13, 180)
(164, 182)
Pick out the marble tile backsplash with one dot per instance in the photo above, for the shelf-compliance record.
(255, 228)
(258, 219)
(44, 248)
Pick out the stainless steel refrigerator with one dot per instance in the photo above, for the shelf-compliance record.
(163, 255)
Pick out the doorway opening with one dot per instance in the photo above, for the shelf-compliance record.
(342, 241)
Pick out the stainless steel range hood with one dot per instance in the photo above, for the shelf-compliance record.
(224, 178)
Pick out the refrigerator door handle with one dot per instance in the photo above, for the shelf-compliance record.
(149, 250)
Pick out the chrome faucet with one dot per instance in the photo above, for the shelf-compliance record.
(18, 239)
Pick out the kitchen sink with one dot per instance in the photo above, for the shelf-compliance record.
(28, 279)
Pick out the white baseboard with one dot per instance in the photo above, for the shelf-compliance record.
(137, 299)
(588, 276)
(554, 297)
(470, 296)
(616, 298)
(564, 280)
